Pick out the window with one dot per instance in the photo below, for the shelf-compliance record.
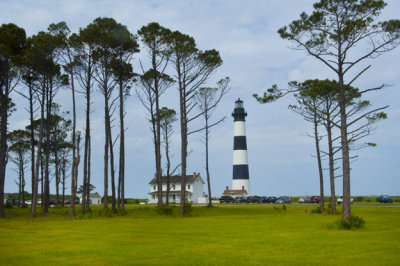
(154, 196)
(188, 186)
(154, 187)
(173, 196)
(173, 186)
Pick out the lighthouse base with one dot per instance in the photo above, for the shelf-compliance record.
(237, 184)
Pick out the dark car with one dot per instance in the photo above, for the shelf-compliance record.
(315, 199)
(226, 199)
(271, 199)
(385, 199)
(253, 199)
(52, 202)
(262, 199)
(241, 200)
(283, 200)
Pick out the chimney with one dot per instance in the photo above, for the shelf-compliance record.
(227, 188)
(198, 174)
(243, 188)
(194, 174)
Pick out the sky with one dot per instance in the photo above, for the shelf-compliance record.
(281, 156)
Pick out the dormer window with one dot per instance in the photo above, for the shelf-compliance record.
(154, 187)
(188, 186)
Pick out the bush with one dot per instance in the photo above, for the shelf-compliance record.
(188, 208)
(354, 222)
(166, 210)
(316, 210)
(8, 205)
(284, 207)
(358, 199)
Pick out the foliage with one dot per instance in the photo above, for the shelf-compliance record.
(317, 210)
(354, 222)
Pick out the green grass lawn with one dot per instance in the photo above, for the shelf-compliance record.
(220, 235)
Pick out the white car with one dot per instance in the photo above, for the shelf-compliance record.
(340, 200)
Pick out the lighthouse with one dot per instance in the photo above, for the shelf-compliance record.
(240, 164)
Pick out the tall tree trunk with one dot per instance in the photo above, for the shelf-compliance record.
(85, 170)
(3, 144)
(46, 197)
(183, 148)
(331, 163)
(345, 150)
(88, 177)
(64, 177)
(321, 175)
(32, 137)
(74, 161)
(106, 143)
(38, 160)
(75, 181)
(19, 180)
(113, 201)
(57, 176)
(121, 183)
(23, 183)
(207, 169)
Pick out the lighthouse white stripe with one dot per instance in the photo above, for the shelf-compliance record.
(238, 183)
(239, 157)
(239, 128)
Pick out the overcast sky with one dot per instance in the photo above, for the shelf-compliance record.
(281, 158)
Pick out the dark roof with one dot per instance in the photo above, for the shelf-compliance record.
(177, 179)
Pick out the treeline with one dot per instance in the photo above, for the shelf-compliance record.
(96, 59)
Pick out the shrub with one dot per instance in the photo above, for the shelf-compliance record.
(354, 222)
(8, 205)
(316, 210)
(358, 199)
(188, 208)
(166, 210)
(284, 207)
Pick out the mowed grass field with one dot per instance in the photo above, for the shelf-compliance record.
(218, 236)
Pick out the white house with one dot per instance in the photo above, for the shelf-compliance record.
(95, 197)
(194, 189)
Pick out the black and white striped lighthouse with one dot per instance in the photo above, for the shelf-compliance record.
(240, 163)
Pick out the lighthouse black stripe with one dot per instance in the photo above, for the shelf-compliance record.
(239, 114)
(239, 143)
(241, 171)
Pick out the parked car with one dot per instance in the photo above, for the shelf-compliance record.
(67, 202)
(385, 199)
(304, 200)
(262, 199)
(283, 199)
(52, 202)
(240, 199)
(340, 200)
(253, 199)
(315, 199)
(226, 199)
(271, 199)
